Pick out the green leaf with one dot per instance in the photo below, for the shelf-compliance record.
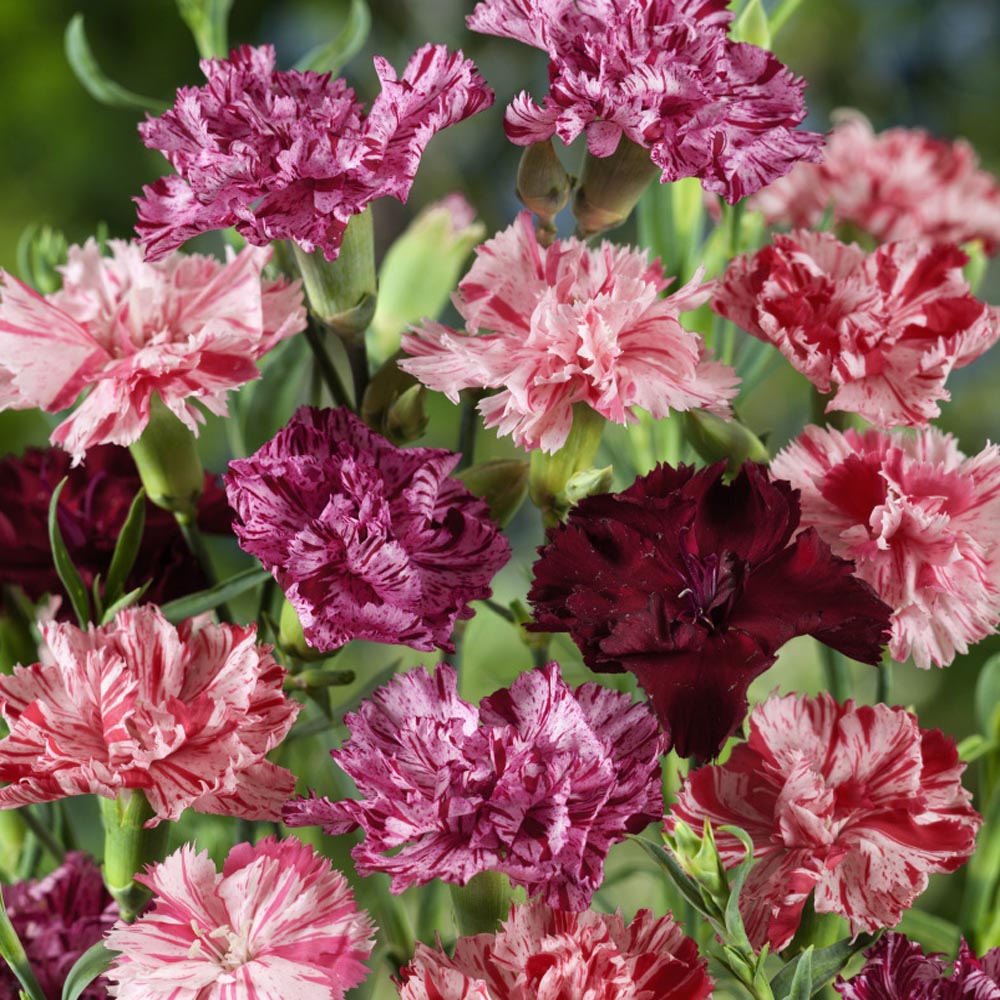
(734, 922)
(825, 963)
(208, 21)
(934, 933)
(206, 600)
(86, 969)
(126, 548)
(752, 26)
(64, 565)
(801, 988)
(332, 55)
(685, 884)
(99, 86)
(779, 18)
(125, 601)
(987, 698)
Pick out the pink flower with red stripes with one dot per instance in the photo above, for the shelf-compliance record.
(186, 714)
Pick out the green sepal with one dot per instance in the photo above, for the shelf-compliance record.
(68, 573)
(92, 963)
(13, 953)
(686, 885)
(329, 57)
(126, 549)
(824, 964)
(101, 87)
(207, 600)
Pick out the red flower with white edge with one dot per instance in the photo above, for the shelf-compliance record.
(186, 714)
(854, 804)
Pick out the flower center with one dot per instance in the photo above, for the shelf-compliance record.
(229, 949)
(712, 583)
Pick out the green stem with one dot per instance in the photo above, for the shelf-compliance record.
(467, 427)
(883, 680)
(836, 673)
(196, 544)
(42, 832)
(325, 366)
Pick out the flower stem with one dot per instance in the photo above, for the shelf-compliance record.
(196, 545)
(883, 681)
(467, 427)
(42, 832)
(325, 366)
(836, 674)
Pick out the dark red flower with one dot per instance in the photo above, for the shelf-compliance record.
(693, 585)
(92, 509)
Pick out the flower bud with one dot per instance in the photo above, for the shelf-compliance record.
(409, 289)
(39, 252)
(292, 641)
(502, 483)
(699, 857)
(716, 439)
(610, 186)
(585, 483)
(543, 185)
(393, 404)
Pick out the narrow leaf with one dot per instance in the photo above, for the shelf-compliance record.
(208, 21)
(825, 964)
(125, 601)
(64, 565)
(779, 18)
(86, 969)
(206, 600)
(934, 933)
(685, 884)
(801, 988)
(99, 86)
(331, 56)
(734, 922)
(126, 548)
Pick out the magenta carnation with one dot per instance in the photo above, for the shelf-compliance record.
(664, 74)
(694, 584)
(921, 522)
(857, 805)
(57, 918)
(886, 328)
(291, 155)
(569, 325)
(278, 922)
(544, 954)
(186, 714)
(91, 511)
(189, 328)
(367, 540)
(897, 969)
(538, 782)
(895, 185)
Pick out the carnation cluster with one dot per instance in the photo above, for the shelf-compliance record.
(536, 782)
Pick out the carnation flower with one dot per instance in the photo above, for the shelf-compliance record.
(183, 713)
(857, 805)
(569, 325)
(367, 540)
(278, 922)
(921, 522)
(887, 328)
(897, 969)
(91, 511)
(189, 328)
(57, 919)
(664, 74)
(895, 185)
(537, 783)
(290, 155)
(693, 585)
(540, 953)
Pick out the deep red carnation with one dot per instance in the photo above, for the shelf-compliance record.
(693, 585)
(92, 509)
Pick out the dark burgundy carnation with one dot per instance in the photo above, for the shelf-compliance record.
(92, 509)
(57, 919)
(693, 585)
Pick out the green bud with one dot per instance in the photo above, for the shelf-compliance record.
(699, 857)
(550, 474)
(543, 185)
(502, 483)
(610, 187)
(481, 903)
(40, 251)
(421, 269)
(393, 404)
(291, 639)
(975, 270)
(166, 456)
(585, 483)
(716, 439)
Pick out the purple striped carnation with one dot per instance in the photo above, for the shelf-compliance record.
(367, 540)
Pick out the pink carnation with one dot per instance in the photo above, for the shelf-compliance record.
(189, 328)
(278, 922)
(185, 714)
(886, 328)
(538, 782)
(367, 540)
(895, 185)
(290, 155)
(857, 805)
(569, 325)
(921, 522)
(545, 954)
(664, 74)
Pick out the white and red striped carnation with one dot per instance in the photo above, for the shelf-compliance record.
(856, 805)
(537, 782)
(921, 522)
(552, 327)
(545, 954)
(185, 713)
(187, 329)
(278, 922)
(894, 185)
(886, 329)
